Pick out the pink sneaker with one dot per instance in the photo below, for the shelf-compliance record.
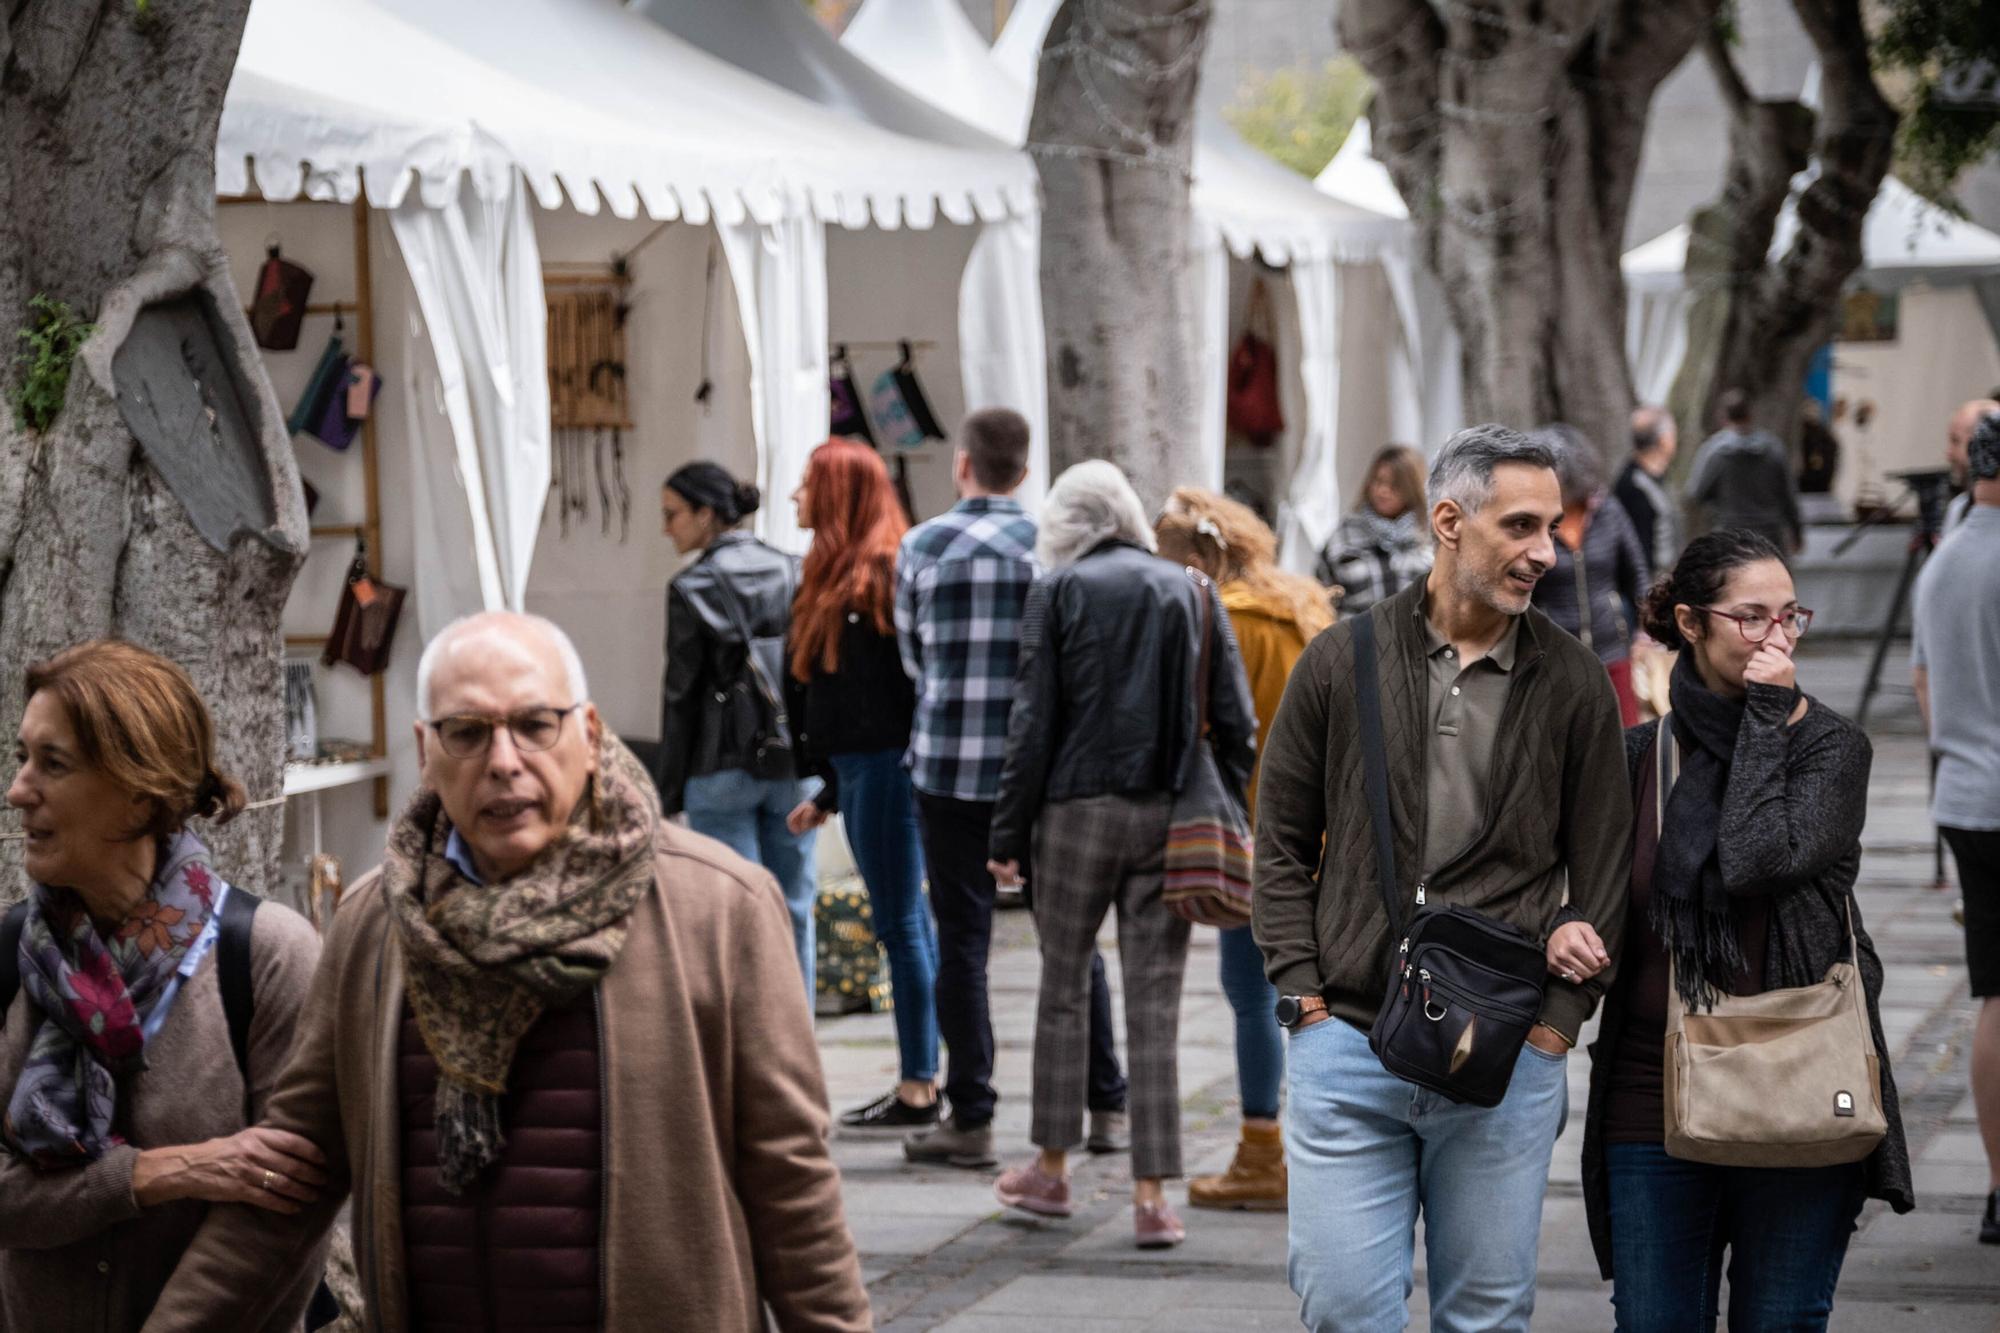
(1033, 1190)
(1155, 1226)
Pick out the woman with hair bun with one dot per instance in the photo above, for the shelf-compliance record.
(125, 1098)
(726, 758)
(1744, 885)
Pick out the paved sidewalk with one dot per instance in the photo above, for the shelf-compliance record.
(939, 1252)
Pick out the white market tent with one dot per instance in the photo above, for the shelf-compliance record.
(455, 118)
(997, 299)
(1246, 207)
(1354, 176)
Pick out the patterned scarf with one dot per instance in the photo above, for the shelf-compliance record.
(95, 996)
(485, 961)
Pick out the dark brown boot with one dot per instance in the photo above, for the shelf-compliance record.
(1255, 1180)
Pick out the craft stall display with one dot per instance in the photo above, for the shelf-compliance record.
(589, 408)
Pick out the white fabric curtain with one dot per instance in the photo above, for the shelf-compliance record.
(1427, 381)
(1312, 499)
(1209, 276)
(1655, 340)
(1003, 351)
(480, 438)
(779, 271)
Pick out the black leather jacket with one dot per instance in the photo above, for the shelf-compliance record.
(711, 712)
(1104, 693)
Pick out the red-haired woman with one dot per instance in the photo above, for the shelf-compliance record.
(852, 705)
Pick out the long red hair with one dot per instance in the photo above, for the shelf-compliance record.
(857, 523)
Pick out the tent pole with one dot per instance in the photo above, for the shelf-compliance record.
(364, 338)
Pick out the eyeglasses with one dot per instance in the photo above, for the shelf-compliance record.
(466, 735)
(1756, 628)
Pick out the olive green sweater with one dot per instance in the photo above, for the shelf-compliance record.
(1558, 813)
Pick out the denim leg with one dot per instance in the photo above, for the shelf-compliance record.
(723, 806)
(1108, 1091)
(954, 836)
(880, 814)
(1484, 1173)
(790, 858)
(1666, 1239)
(1260, 1042)
(1788, 1234)
(1353, 1163)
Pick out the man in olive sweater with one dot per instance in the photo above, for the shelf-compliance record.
(1508, 795)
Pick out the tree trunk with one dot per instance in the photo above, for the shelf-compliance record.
(1755, 324)
(108, 115)
(1112, 134)
(1512, 129)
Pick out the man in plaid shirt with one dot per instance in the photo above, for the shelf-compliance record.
(961, 581)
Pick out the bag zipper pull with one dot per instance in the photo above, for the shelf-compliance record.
(1420, 893)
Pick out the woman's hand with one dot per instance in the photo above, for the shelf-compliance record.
(1771, 665)
(269, 1168)
(805, 817)
(1576, 953)
(1006, 874)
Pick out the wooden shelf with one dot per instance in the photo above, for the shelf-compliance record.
(303, 778)
(339, 530)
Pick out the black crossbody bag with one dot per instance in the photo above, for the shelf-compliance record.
(1464, 989)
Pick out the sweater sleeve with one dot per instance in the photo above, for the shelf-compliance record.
(1796, 798)
(1596, 835)
(42, 1210)
(785, 1178)
(679, 705)
(1291, 826)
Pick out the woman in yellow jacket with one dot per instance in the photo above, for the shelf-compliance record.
(1274, 614)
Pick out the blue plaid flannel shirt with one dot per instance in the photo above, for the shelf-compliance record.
(961, 581)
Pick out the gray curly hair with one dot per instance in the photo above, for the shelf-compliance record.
(1090, 503)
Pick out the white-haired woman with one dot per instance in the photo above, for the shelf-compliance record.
(1102, 734)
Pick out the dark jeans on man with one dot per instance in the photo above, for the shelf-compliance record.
(1785, 1230)
(955, 837)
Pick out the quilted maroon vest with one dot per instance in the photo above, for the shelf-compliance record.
(520, 1248)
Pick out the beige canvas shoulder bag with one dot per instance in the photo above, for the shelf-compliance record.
(1785, 1078)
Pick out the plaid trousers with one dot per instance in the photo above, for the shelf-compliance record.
(1089, 855)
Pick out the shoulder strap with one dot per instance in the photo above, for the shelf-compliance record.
(1375, 764)
(1200, 582)
(11, 927)
(232, 971)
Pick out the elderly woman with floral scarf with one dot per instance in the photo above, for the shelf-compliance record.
(125, 1107)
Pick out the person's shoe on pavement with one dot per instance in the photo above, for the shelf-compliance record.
(1155, 1226)
(1108, 1133)
(1255, 1179)
(1989, 1225)
(953, 1144)
(1033, 1190)
(887, 1113)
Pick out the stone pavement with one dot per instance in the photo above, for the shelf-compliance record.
(938, 1252)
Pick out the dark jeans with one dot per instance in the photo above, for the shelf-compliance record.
(954, 836)
(1786, 1230)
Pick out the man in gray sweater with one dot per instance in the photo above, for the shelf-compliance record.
(1507, 793)
(1742, 478)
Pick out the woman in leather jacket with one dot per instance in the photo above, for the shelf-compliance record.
(725, 746)
(1101, 737)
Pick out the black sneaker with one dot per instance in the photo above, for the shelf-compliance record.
(889, 1113)
(1989, 1225)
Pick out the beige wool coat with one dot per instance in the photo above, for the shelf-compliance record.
(720, 1195)
(77, 1253)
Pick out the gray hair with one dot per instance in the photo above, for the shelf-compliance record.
(1579, 469)
(1651, 423)
(1090, 503)
(1463, 469)
(579, 687)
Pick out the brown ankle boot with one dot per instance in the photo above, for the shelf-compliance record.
(1255, 1180)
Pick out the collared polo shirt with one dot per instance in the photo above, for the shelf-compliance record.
(1464, 700)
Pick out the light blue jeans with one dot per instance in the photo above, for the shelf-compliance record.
(747, 814)
(1369, 1152)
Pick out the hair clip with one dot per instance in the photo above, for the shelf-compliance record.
(1206, 527)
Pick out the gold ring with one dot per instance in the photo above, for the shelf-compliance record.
(269, 1176)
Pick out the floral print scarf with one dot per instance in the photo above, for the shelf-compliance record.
(95, 995)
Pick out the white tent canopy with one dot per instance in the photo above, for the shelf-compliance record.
(1244, 205)
(1002, 357)
(1906, 239)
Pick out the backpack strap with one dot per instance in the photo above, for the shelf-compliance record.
(1375, 764)
(232, 973)
(11, 927)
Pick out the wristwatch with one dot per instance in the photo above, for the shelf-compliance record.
(1293, 1008)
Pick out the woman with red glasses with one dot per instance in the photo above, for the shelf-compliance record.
(1742, 882)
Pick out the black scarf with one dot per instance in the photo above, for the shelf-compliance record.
(1690, 909)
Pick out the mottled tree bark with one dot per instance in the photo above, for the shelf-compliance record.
(1512, 129)
(1112, 133)
(108, 115)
